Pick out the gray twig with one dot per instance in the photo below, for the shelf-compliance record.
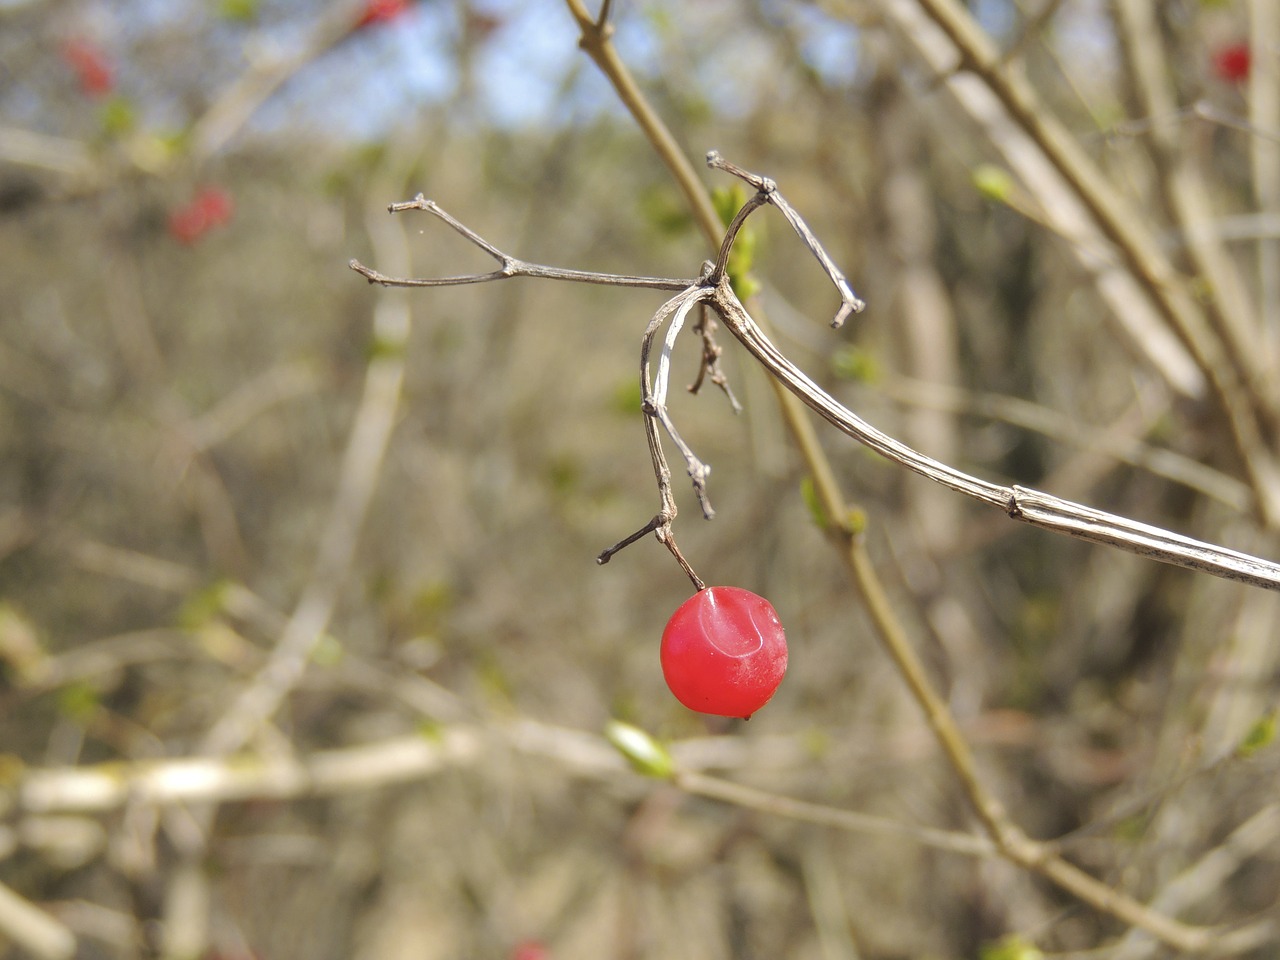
(510, 266)
(712, 288)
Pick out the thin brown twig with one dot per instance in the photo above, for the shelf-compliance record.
(709, 369)
(1020, 503)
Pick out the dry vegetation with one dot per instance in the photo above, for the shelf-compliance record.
(304, 651)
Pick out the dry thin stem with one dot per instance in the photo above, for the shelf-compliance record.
(1139, 251)
(510, 266)
(1049, 423)
(654, 390)
(653, 396)
(711, 353)
(767, 192)
(1020, 503)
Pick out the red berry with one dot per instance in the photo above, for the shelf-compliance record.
(1231, 63)
(530, 950)
(187, 224)
(211, 207)
(93, 70)
(724, 652)
(216, 205)
(381, 11)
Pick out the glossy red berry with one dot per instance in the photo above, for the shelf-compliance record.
(724, 652)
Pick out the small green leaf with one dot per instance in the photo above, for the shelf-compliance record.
(1133, 828)
(856, 521)
(1260, 735)
(430, 730)
(809, 493)
(118, 117)
(994, 183)
(328, 651)
(204, 605)
(662, 208)
(384, 348)
(855, 363)
(728, 201)
(627, 399)
(1012, 947)
(431, 603)
(816, 742)
(644, 753)
(238, 11)
(564, 474)
(78, 702)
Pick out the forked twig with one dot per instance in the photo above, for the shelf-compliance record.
(711, 352)
(510, 266)
(712, 288)
(767, 192)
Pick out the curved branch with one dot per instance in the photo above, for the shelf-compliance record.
(1021, 503)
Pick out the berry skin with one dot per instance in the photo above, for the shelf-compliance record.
(724, 652)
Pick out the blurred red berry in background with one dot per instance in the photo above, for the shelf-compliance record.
(1231, 63)
(212, 206)
(94, 72)
(216, 204)
(381, 11)
(530, 950)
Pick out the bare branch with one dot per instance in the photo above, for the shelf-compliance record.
(711, 352)
(655, 399)
(767, 192)
(511, 266)
(1031, 506)
(713, 288)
